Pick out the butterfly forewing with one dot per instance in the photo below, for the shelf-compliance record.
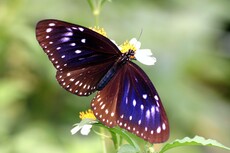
(80, 55)
(131, 102)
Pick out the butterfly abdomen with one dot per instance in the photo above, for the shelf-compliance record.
(112, 71)
(108, 76)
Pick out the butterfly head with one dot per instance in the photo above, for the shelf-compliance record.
(132, 47)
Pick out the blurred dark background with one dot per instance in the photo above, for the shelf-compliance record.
(190, 39)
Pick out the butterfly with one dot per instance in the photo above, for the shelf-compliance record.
(87, 61)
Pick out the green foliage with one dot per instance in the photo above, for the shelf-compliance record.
(126, 148)
(132, 147)
(196, 141)
(96, 6)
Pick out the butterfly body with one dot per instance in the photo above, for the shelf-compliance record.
(87, 62)
(118, 64)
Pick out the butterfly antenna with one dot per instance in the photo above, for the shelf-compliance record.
(140, 34)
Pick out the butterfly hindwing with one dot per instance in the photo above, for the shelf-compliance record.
(83, 81)
(131, 102)
(80, 55)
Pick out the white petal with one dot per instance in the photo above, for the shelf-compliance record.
(133, 41)
(144, 57)
(145, 51)
(137, 44)
(148, 60)
(86, 129)
(75, 129)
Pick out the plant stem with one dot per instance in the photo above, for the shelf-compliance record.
(103, 140)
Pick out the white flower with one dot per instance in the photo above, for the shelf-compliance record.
(142, 55)
(84, 126)
(85, 129)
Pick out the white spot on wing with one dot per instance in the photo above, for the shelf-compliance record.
(83, 40)
(134, 102)
(73, 44)
(142, 107)
(78, 51)
(88, 87)
(51, 24)
(103, 106)
(68, 34)
(130, 118)
(157, 109)
(153, 110)
(148, 114)
(145, 96)
(139, 122)
(49, 30)
(163, 126)
(156, 97)
(81, 29)
(126, 100)
(77, 82)
(158, 104)
(158, 129)
(65, 39)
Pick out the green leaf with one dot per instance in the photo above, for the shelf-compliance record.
(196, 141)
(125, 136)
(103, 1)
(91, 5)
(115, 139)
(127, 148)
(122, 133)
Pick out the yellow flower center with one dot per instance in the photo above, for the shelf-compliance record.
(126, 46)
(87, 114)
(99, 30)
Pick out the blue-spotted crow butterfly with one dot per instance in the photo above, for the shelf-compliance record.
(87, 62)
